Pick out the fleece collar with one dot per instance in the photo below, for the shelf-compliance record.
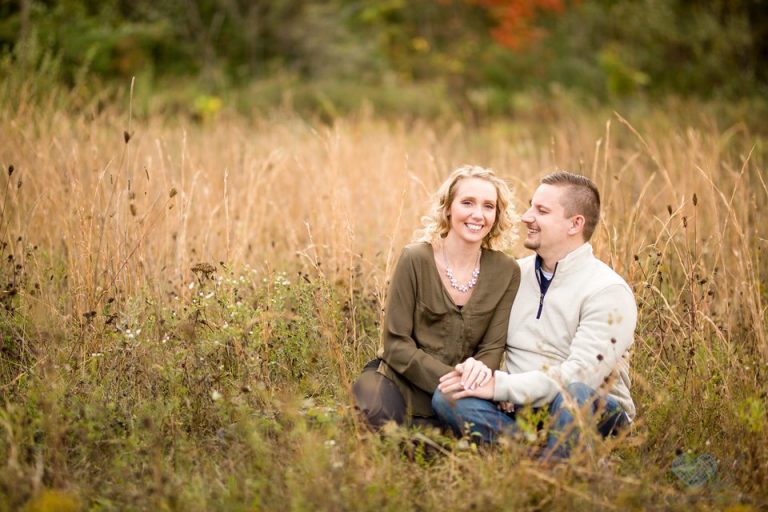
(575, 259)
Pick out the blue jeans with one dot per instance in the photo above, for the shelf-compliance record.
(481, 419)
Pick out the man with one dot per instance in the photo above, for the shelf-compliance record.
(570, 328)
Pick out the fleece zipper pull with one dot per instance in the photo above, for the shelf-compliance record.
(543, 284)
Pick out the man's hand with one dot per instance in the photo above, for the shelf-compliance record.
(470, 374)
(450, 384)
(485, 391)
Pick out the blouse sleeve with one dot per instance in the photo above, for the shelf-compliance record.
(491, 349)
(400, 351)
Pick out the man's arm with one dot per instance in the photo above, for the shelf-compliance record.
(605, 333)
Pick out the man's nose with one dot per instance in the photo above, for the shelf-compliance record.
(527, 217)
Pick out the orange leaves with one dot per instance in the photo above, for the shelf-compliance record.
(516, 26)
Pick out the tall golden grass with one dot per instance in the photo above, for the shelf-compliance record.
(111, 223)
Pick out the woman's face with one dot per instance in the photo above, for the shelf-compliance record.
(473, 210)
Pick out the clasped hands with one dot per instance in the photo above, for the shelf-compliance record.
(472, 378)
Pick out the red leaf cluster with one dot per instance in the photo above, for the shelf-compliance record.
(516, 20)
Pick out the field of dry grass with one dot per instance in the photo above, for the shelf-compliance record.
(185, 305)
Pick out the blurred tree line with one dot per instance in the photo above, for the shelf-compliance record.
(480, 52)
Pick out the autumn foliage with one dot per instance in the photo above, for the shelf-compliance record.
(516, 20)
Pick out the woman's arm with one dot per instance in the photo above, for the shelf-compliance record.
(478, 369)
(401, 352)
(491, 348)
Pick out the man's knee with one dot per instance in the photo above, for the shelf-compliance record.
(439, 402)
(580, 392)
(447, 408)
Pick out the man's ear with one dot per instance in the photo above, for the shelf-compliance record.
(577, 225)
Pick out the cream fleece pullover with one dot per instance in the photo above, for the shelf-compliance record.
(583, 334)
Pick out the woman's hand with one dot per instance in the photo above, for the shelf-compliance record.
(474, 373)
(467, 376)
(450, 383)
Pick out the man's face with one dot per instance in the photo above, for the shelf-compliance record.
(546, 221)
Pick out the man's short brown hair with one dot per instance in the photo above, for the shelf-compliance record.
(582, 198)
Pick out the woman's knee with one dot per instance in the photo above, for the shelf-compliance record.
(378, 399)
(366, 387)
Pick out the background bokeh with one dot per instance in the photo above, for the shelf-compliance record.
(469, 57)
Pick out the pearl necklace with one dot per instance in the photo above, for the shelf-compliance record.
(461, 288)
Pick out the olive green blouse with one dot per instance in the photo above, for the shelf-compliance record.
(425, 334)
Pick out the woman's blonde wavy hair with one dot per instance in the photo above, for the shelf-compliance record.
(436, 223)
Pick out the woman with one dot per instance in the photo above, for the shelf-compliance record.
(448, 302)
